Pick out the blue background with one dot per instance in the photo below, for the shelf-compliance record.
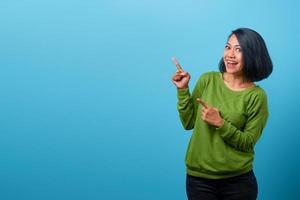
(88, 109)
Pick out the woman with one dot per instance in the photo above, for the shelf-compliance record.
(227, 112)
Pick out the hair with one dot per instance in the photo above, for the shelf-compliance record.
(257, 64)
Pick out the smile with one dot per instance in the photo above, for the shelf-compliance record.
(231, 62)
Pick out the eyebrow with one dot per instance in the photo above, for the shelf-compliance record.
(234, 45)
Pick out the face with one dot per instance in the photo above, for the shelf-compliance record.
(233, 56)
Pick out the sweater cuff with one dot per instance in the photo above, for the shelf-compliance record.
(223, 130)
(183, 93)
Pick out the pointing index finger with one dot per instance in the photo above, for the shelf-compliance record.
(202, 103)
(175, 61)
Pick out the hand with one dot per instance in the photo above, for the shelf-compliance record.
(180, 78)
(211, 115)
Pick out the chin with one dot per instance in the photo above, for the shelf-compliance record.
(232, 70)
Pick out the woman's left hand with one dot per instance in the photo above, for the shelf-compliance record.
(211, 115)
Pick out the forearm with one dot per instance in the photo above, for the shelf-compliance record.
(186, 109)
(241, 140)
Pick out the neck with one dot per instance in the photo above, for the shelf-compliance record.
(236, 82)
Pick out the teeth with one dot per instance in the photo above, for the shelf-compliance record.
(231, 62)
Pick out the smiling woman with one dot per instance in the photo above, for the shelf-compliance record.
(246, 48)
(227, 113)
(233, 56)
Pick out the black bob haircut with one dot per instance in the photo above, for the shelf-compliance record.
(257, 63)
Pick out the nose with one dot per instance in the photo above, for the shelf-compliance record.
(231, 53)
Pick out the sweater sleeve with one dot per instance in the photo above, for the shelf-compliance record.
(244, 140)
(187, 105)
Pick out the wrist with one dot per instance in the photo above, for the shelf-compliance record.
(220, 123)
(184, 87)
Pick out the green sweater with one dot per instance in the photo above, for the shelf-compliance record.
(227, 151)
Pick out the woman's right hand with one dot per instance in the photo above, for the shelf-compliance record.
(181, 79)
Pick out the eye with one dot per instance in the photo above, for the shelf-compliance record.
(227, 47)
(238, 49)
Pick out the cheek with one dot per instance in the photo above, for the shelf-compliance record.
(224, 55)
(240, 57)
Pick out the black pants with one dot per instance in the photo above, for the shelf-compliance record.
(242, 187)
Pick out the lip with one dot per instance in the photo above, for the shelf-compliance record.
(231, 62)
